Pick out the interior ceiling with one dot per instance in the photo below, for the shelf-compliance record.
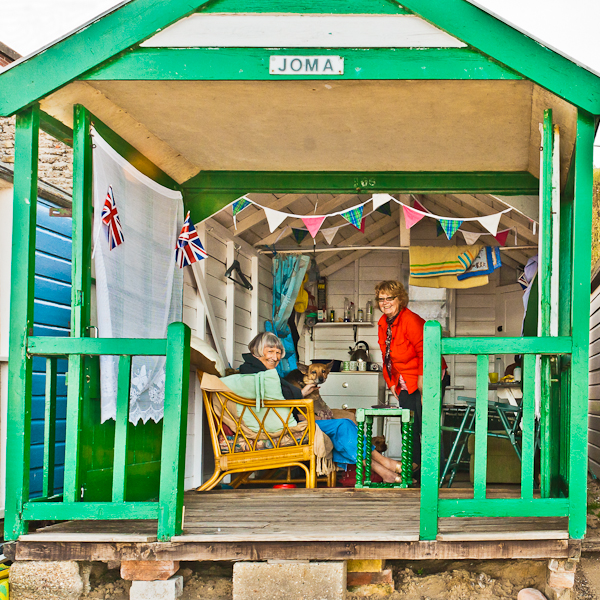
(380, 230)
(187, 126)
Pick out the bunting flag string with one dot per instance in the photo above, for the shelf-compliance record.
(356, 217)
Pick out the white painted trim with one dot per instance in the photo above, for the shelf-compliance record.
(302, 31)
(200, 308)
(230, 309)
(255, 304)
(554, 276)
(3, 431)
(212, 321)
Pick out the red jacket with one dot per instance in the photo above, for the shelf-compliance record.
(406, 349)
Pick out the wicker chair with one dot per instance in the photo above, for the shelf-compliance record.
(239, 449)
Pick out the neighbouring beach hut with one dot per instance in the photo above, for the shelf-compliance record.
(289, 103)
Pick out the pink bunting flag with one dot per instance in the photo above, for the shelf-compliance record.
(501, 237)
(313, 224)
(411, 216)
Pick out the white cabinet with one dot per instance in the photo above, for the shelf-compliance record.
(356, 389)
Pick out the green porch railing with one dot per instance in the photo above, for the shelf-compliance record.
(552, 484)
(168, 510)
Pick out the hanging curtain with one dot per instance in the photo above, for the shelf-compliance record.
(288, 273)
(139, 287)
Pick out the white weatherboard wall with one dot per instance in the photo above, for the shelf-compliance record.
(594, 386)
(239, 315)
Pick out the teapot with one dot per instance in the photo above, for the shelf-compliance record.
(358, 353)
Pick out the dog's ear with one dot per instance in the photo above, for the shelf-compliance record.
(302, 368)
(328, 367)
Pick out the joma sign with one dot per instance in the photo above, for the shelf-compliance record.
(306, 65)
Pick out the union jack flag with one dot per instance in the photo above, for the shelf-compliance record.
(188, 249)
(110, 218)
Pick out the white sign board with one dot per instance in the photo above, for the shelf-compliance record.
(306, 65)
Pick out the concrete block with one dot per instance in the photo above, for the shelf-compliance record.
(45, 580)
(559, 593)
(171, 589)
(289, 581)
(365, 566)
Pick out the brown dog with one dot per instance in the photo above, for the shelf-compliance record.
(315, 374)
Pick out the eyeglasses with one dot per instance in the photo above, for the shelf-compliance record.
(385, 300)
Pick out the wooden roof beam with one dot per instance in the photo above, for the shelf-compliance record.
(344, 262)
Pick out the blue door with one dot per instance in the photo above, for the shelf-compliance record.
(51, 317)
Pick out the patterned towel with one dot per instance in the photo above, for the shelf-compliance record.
(435, 261)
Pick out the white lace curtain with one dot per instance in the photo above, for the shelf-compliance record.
(139, 288)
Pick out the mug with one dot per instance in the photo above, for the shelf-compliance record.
(353, 365)
(346, 365)
(362, 365)
(493, 377)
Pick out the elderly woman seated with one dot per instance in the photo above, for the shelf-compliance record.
(266, 350)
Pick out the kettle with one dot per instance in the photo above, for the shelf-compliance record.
(358, 353)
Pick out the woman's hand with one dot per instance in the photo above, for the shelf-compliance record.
(308, 388)
(420, 384)
(393, 390)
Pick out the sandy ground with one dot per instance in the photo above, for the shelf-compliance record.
(416, 580)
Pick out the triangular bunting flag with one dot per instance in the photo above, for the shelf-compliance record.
(188, 248)
(274, 218)
(313, 224)
(354, 216)
(380, 200)
(329, 234)
(238, 206)
(439, 230)
(491, 222)
(450, 226)
(299, 234)
(419, 206)
(501, 236)
(470, 237)
(385, 209)
(411, 216)
(362, 225)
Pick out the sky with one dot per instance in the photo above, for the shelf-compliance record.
(567, 25)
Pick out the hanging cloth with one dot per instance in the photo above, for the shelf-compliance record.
(138, 284)
(288, 273)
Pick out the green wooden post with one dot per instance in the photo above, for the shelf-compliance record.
(368, 445)
(430, 448)
(21, 320)
(122, 420)
(172, 469)
(582, 223)
(360, 444)
(49, 427)
(481, 427)
(80, 292)
(528, 440)
(545, 267)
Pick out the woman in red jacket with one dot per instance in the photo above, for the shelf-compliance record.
(401, 343)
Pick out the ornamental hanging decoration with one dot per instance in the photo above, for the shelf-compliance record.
(188, 248)
(238, 206)
(112, 222)
(356, 217)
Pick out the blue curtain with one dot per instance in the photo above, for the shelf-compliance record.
(288, 273)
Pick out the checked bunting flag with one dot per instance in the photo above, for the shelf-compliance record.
(110, 219)
(188, 248)
(354, 216)
(450, 226)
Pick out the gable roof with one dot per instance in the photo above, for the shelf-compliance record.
(134, 21)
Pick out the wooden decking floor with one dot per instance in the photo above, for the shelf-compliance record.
(300, 515)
